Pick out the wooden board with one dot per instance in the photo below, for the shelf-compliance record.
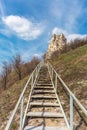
(43, 91)
(44, 84)
(43, 97)
(44, 128)
(43, 87)
(44, 104)
(45, 114)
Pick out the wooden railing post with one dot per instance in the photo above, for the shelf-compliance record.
(21, 113)
(52, 73)
(32, 80)
(56, 82)
(71, 113)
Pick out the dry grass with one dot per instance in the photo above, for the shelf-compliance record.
(8, 99)
(72, 67)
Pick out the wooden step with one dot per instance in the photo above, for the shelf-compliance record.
(43, 97)
(45, 104)
(43, 91)
(45, 128)
(45, 114)
(43, 84)
(43, 87)
(43, 79)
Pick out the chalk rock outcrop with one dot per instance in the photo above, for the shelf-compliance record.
(57, 43)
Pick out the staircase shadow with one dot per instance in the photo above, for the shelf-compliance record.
(42, 124)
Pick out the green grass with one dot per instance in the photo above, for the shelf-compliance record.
(74, 61)
(72, 55)
(14, 126)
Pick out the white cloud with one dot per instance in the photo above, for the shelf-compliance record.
(57, 30)
(39, 55)
(74, 36)
(23, 27)
(69, 36)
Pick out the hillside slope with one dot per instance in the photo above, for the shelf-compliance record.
(72, 66)
(8, 100)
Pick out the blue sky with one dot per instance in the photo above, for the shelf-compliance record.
(26, 26)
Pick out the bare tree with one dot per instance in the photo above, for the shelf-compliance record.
(44, 56)
(17, 65)
(6, 71)
(34, 62)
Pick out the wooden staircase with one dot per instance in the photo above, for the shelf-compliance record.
(45, 111)
(42, 108)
